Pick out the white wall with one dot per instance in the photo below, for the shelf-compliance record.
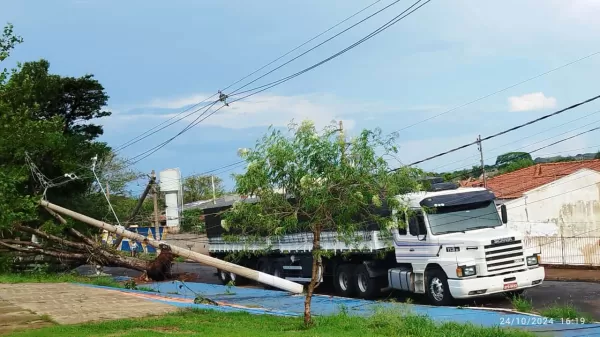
(562, 218)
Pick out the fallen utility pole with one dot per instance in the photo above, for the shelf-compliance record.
(248, 273)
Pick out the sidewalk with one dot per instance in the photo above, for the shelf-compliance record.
(567, 274)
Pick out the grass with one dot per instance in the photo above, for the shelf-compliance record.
(556, 311)
(214, 323)
(58, 278)
(565, 312)
(521, 304)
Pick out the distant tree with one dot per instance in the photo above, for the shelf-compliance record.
(197, 188)
(516, 165)
(597, 156)
(510, 157)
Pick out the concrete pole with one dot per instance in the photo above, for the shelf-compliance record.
(251, 274)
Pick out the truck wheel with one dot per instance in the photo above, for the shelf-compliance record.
(223, 276)
(238, 280)
(366, 286)
(277, 271)
(437, 288)
(343, 280)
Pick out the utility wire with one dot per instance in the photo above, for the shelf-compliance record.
(387, 25)
(499, 91)
(504, 132)
(137, 139)
(529, 136)
(315, 47)
(305, 43)
(196, 121)
(147, 134)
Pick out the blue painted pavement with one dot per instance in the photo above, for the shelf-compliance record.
(260, 301)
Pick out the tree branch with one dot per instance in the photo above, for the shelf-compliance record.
(60, 255)
(75, 245)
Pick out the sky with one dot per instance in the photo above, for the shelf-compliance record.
(157, 58)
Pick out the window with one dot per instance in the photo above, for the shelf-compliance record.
(416, 224)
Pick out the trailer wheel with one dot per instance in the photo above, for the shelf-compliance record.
(437, 288)
(223, 276)
(366, 286)
(343, 280)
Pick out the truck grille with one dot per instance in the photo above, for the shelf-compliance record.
(504, 257)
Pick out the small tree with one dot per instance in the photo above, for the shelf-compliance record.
(315, 182)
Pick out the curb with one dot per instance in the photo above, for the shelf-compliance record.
(571, 279)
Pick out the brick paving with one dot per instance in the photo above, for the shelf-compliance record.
(67, 303)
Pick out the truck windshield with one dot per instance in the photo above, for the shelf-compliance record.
(463, 218)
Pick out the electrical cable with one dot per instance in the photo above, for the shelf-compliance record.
(505, 131)
(129, 143)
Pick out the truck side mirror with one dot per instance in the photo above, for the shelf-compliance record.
(503, 214)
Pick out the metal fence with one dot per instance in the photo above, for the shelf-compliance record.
(576, 250)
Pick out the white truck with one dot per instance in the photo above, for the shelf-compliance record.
(461, 250)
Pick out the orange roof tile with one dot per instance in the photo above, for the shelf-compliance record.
(512, 185)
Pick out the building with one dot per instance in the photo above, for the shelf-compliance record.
(557, 207)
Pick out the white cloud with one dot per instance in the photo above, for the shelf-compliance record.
(529, 102)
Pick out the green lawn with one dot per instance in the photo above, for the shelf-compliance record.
(213, 323)
(58, 278)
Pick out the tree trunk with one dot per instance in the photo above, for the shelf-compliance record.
(316, 265)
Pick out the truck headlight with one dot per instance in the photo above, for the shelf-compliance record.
(464, 271)
(533, 260)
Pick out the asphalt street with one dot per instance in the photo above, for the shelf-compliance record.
(584, 296)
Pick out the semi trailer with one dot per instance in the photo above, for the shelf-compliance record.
(455, 245)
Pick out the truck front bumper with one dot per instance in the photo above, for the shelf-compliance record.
(482, 286)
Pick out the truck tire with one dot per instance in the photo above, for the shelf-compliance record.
(343, 280)
(437, 288)
(223, 276)
(367, 287)
(238, 280)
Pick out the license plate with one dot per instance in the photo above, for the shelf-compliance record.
(512, 285)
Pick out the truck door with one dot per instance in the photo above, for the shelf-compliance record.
(414, 244)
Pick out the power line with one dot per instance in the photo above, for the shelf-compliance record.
(135, 140)
(140, 138)
(505, 131)
(387, 25)
(379, 30)
(499, 91)
(523, 147)
(303, 44)
(520, 139)
(315, 47)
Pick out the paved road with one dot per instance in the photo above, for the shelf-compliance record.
(584, 296)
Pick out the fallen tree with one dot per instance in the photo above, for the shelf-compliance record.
(75, 248)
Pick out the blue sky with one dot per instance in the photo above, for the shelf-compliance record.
(155, 58)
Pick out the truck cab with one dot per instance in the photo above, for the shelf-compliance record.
(454, 245)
